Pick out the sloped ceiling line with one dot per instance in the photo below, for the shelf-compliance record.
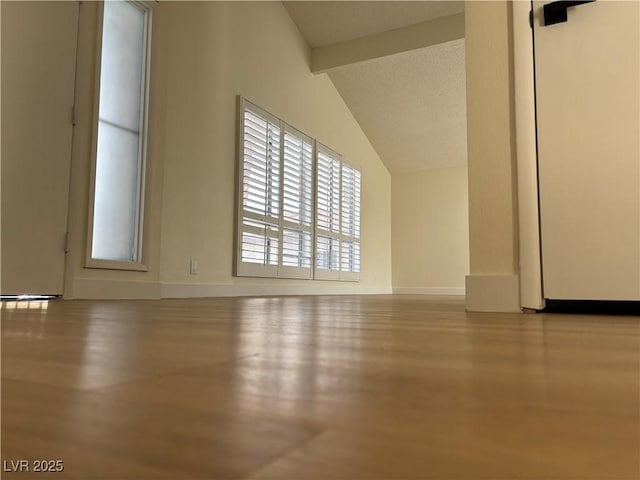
(400, 68)
(391, 42)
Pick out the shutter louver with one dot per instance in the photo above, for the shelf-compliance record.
(296, 249)
(259, 235)
(261, 175)
(350, 245)
(297, 181)
(328, 214)
(297, 205)
(328, 187)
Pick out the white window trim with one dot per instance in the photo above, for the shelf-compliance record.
(91, 262)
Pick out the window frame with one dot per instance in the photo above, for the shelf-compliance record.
(140, 263)
(279, 270)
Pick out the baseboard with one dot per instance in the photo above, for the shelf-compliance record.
(199, 290)
(429, 290)
(493, 293)
(104, 289)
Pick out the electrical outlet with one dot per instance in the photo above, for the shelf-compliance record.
(193, 267)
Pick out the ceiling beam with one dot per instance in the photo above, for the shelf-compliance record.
(419, 35)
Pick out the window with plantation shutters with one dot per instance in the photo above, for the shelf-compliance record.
(337, 217)
(327, 214)
(298, 204)
(259, 219)
(350, 224)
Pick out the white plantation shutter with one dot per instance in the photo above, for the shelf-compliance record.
(297, 205)
(327, 214)
(350, 210)
(259, 242)
(259, 216)
(261, 173)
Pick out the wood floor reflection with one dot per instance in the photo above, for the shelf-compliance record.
(335, 387)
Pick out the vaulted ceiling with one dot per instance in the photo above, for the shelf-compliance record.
(399, 67)
(327, 23)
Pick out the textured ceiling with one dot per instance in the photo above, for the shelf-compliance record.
(412, 106)
(326, 23)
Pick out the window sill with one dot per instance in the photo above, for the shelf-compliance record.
(114, 265)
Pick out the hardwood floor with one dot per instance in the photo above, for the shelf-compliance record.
(342, 387)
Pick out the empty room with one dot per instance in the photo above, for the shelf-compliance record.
(320, 240)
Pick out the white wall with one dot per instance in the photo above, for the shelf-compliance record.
(217, 51)
(430, 241)
(205, 54)
(202, 58)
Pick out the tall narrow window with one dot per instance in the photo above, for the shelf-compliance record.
(118, 193)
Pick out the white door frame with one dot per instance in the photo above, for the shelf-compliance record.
(531, 286)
